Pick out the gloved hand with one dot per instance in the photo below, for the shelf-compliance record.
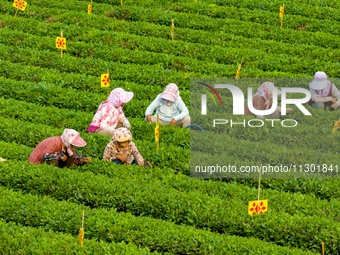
(289, 110)
(127, 124)
(173, 122)
(121, 157)
(334, 105)
(86, 160)
(64, 157)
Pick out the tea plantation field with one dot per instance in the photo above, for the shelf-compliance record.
(135, 210)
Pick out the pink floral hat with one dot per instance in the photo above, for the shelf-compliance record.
(170, 93)
(71, 136)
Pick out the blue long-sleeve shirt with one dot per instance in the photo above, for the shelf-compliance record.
(175, 110)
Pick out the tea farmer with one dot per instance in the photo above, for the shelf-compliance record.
(109, 115)
(262, 101)
(324, 94)
(121, 149)
(59, 150)
(170, 108)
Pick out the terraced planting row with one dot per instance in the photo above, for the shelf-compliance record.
(110, 226)
(310, 205)
(135, 210)
(192, 208)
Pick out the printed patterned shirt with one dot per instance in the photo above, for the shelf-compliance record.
(107, 115)
(130, 151)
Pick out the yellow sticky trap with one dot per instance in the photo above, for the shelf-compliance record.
(281, 12)
(157, 133)
(20, 4)
(238, 71)
(23, 5)
(81, 236)
(336, 126)
(257, 207)
(172, 28)
(89, 9)
(61, 43)
(104, 80)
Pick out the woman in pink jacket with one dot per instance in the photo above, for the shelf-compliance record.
(109, 115)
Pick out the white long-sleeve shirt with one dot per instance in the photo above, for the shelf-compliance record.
(175, 110)
(335, 94)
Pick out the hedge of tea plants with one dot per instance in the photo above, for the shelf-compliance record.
(135, 210)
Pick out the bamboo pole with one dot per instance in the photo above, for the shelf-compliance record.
(17, 9)
(259, 190)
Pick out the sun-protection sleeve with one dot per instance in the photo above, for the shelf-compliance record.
(182, 109)
(336, 94)
(323, 100)
(151, 108)
(126, 124)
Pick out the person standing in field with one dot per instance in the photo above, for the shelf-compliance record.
(110, 115)
(324, 94)
(170, 108)
(262, 101)
(59, 150)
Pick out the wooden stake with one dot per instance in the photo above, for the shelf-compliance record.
(17, 9)
(241, 62)
(172, 29)
(82, 221)
(283, 8)
(81, 231)
(240, 70)
(322, 248)
(259, 189)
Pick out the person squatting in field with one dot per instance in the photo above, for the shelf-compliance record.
(170, 108)
(110, 115)
(261, 101)
(324, 94)
(59, 150)
(121, 149)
